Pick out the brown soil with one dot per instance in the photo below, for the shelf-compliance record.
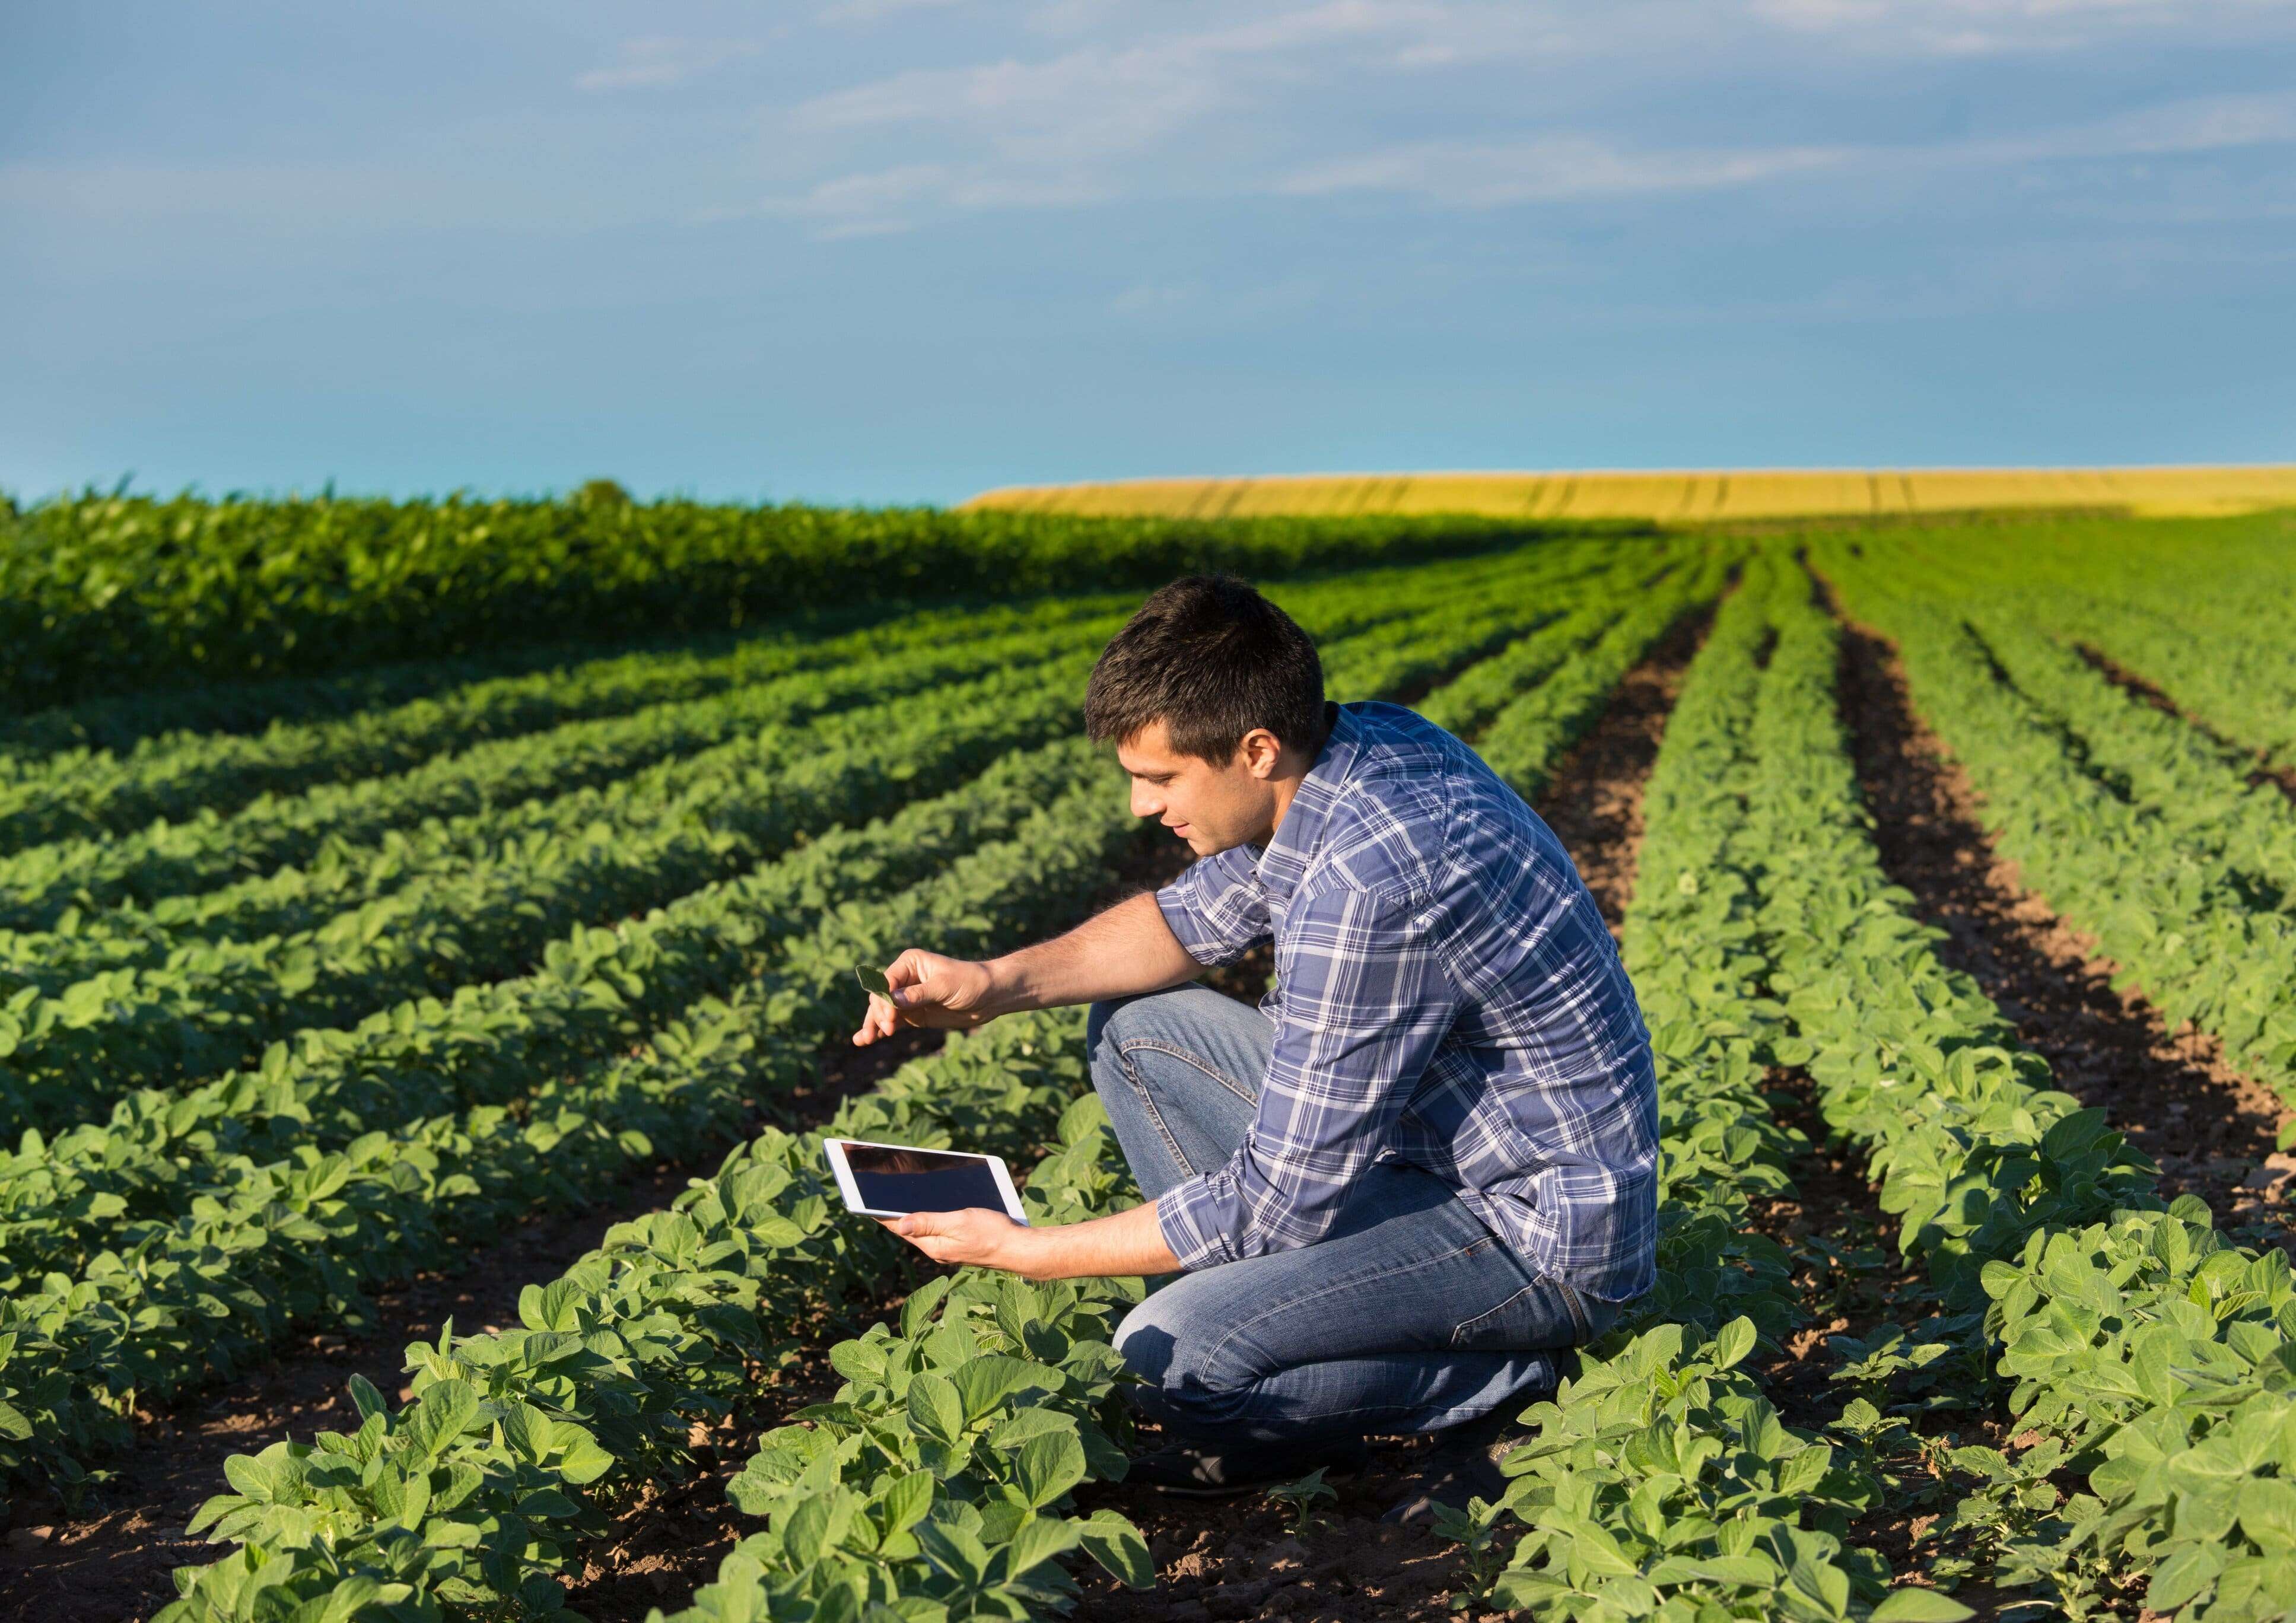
(1593, 802)
(1238, 1558)
(1847, 1268)
(2211, 1130)
(669, 1539)
(114, 1561)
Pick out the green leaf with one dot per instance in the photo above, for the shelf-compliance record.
(1915, 1605)
(1037, 1541)
(905, 1501)
(1113, 1541)
(1732, 1343)
(2185, 1575)
(935, 1409)
(1047, 1467)
(984, 1382)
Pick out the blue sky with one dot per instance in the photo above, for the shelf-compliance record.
(903, 249)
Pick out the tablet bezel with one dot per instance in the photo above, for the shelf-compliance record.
(833, 1149)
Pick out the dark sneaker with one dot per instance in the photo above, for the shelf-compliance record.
(1463, 1466)
(1213, 1471)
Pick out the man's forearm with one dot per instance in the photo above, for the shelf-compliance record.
(1118, 952)
(1118, 1246)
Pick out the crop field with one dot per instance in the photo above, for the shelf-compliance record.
(426, 948)
(1683, 496)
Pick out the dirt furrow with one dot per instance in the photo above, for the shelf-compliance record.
(2211, 1130)
(1242, 1557)
(113, 1561)
(2259, 768)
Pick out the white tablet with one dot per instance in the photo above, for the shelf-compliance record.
(894, 1180)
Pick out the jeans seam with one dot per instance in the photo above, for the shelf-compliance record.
(1581, 1321)
(1129, 1048)
(1585, 1320)
(1155, 1116)
(1186, 1057)
(1211, 1354)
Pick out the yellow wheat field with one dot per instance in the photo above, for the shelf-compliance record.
(1686, 496)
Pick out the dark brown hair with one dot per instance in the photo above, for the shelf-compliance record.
(1211, 659)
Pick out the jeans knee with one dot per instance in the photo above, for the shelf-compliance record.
(1187, 1385)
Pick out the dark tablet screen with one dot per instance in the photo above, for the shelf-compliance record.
(920, 1180)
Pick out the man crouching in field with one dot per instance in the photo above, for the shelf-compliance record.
(1423, 1167)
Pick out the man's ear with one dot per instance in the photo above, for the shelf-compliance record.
(1260, 749)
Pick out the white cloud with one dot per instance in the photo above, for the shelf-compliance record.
(1111, 98)
(1563, 168)
(1547, 169)
(883, 201)
(870, 11)
(660, 61)
(1968, 28)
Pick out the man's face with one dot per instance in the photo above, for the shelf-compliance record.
(1214, 809)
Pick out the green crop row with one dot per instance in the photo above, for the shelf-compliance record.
(258, 1246)
(990, 1400)
(1527, 737)
(687, 797)
(106, 594)
(463, 802)
(597, 991)
(474, 1498)
(210, 1005)
(117, 1206)
(90, 794)
(2198, 607)
(2201, 791)
(2204, 790)
(2148, 1354)
(2177, 918)
(1662, 1482)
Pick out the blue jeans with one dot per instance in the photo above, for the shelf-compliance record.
(1410, 1316)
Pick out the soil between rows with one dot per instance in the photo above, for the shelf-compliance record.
(2260, 768)
(2211, 1130)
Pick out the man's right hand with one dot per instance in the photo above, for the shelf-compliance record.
(951, 994)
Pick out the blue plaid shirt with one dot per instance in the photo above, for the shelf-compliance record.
(1446, 995)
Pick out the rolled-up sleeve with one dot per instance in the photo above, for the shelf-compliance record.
(1216, 908)
(1367, 1002)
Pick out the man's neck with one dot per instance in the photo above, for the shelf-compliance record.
(1292, 772)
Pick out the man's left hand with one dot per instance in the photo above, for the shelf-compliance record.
(976, 1235)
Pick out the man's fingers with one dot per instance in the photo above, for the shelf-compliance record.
(905, 971)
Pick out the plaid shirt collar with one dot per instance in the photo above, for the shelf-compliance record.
(1283, 861)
